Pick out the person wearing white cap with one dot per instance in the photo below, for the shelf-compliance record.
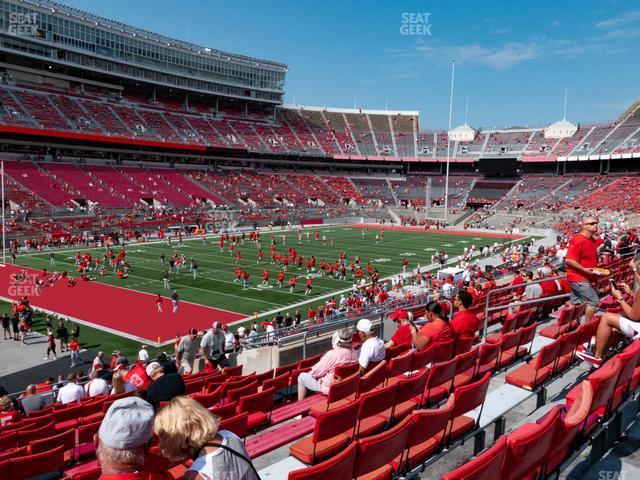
(124, 438)
(372, 349)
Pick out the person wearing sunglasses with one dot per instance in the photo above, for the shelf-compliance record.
(581, 259)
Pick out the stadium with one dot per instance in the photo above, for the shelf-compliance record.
(230, 285)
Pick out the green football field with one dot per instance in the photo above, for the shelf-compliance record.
(215, 285)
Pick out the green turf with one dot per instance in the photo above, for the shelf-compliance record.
(215, 285)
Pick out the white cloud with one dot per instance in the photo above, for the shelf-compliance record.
(620, 20)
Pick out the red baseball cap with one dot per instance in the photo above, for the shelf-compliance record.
(399, 314)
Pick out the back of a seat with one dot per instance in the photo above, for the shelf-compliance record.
(426, 424)
(37, 464)
(336, 421)
(471, 395)
(378, 450)
(343, 389)
(485, 466)
(528, 446)
(629, 360)
(412, 386)
(377, 401)
(340, 466)
(400, 364)
(548, 354)
(603, 383)
(345, 370)
(440, 373)
(373, 378)
(236, 424)
(66, 439)
(257, 402)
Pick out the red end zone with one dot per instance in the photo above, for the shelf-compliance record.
(117, 310)
(443, 232)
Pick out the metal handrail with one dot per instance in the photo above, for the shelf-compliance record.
(505, 289)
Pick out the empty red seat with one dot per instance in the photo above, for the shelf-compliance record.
(398, 366)
(375, 410)
(467, 398)
(527, 447)
(334, 429)
(338, 467)
(408, 389)
(426, 435)
(569, 427)
(340, 393)
(538, 370)
(374, 378)
(629, 360)
(237, 424)
(259, 406)
(439, 381)
(376, 453)
(485, 466)
(49, 462)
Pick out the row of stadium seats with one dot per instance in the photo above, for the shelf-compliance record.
(293, 130)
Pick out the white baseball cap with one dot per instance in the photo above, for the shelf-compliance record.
(364, 325)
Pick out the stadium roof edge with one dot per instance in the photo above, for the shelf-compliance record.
(146, 34)
(351, 110)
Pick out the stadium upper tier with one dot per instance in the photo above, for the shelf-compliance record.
(339, 133)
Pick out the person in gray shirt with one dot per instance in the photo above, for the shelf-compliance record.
(187, 351)
(32, 402)
(212, 347)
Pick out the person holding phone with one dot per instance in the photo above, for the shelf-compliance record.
(613, 326)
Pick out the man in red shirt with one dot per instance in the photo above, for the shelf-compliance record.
(582, 258)
(403, 334)
(464, 322)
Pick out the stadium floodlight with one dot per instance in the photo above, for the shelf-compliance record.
(446, 184)
(4, 244)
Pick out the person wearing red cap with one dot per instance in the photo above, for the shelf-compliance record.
(403, 334)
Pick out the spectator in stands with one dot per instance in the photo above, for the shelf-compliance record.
(7, 412)
(186, 430)
(168, 366)
(164, 386)
(31, 401)
(71, 392)
(613, 326)
(464, 322)
(212, 347)
(96, 385)
(143, 355)
(98, 362)
(124, 438)
(372, 349)
(119, 384)
(403, 334)
(581, 259)
(187, 351)
(532, 290)
(321, 375)
(436, 331)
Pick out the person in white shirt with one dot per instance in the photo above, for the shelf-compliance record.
(96, 386)
(143, 355)
(98, 362)
(242, 331)
(532, 290)
(229, 341)
(372, 349)
(71, 392)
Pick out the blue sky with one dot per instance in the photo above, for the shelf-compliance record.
(514, 59)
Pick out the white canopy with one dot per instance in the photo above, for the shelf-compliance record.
(560, 129)
(463, 133)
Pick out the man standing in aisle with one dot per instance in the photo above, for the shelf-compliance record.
(582, 258)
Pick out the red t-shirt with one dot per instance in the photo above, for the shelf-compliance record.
(465, 324)
(584, 251)
(518, 280)
(549, 288)
(439, 331)
(402, 335)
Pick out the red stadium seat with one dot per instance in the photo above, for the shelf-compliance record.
(538, 370)
(410, 394)
(629, 358)
(398, 366)
(570, 427)
(333, 430)
(486, 466)
(439, 381)
(426, 435)
(375, 410)
(345, 370)
(49, 462)
(374, 378)
(338, 467)
(259, 406)
(376, 454)
(466, 367)
(467, 398)
(237, 424)
(340, 393)
(528, 446)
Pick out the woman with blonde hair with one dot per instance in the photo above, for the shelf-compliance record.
(186, 430)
